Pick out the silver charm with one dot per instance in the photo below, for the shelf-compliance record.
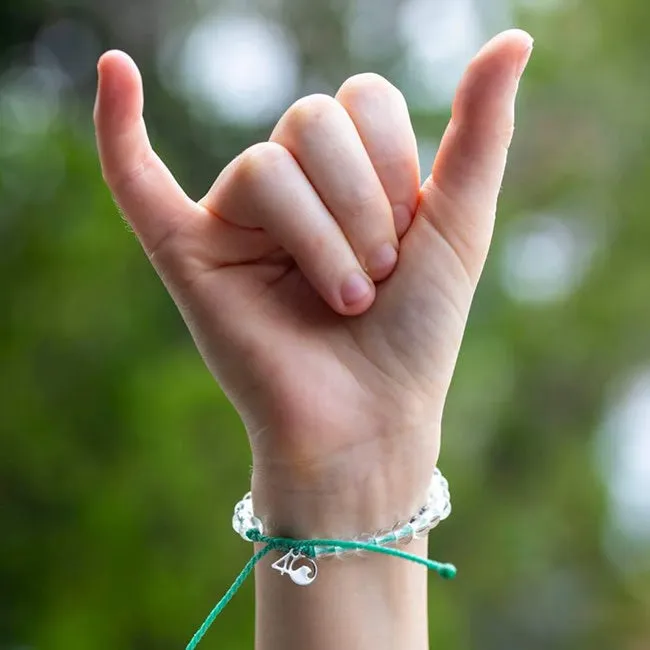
(302, 575)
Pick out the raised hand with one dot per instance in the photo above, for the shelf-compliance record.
(327, 291)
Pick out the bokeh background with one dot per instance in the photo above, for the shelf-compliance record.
(120, 459)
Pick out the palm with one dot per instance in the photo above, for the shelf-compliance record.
(318, 383)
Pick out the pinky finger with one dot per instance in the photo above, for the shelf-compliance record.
(144, 188)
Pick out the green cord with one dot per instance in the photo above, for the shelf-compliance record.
(307, 548)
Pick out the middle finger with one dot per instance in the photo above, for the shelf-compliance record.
(322, 137)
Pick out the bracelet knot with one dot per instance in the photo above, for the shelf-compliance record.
(301, 546)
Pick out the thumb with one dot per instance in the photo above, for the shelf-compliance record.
(459, 198)
(143, 187)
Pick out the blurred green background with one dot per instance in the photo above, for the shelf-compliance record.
(120, 460)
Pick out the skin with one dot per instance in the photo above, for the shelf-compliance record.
(328, 294)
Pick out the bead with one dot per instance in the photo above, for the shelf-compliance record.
(365, 538)
(256, 523)
(398, 530)
(409, 534)
(446, 510)
(420, 526)
(434, 522)
(386, 537)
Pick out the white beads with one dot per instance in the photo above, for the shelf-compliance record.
(364, 538)
(437, 508)
(407, 534)
(244, 520)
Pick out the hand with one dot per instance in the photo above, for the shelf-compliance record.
(328, 292)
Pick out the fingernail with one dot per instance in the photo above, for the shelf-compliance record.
(355, 289)
(523, 61)
(382, 261)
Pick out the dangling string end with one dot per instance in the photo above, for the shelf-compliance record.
(447, 571)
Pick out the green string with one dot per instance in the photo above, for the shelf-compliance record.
(307, 547)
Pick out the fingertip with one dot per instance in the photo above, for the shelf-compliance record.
(511, 44)
(515, 35)
(382, 261)
(356, 295)
(490, 83)
(119, 87)
(511, 38)
(115, 58)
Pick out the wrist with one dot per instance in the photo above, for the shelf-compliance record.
(387, 593)
(369, 502)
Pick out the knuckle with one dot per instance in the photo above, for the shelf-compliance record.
(308, 111)
(121, 181)
(256, 161)
(363, 201)
(366, 85)
(316, 244)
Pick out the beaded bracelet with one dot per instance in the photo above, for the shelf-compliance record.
(437, 508)
(299, 561)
